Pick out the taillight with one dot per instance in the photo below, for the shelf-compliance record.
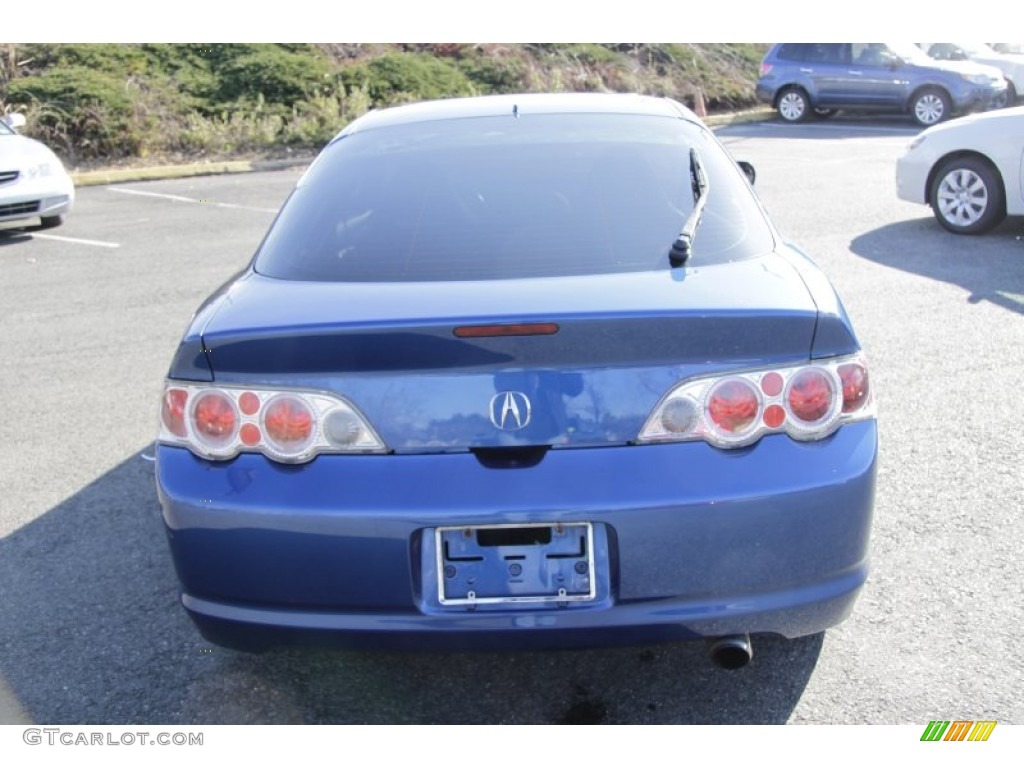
(854, 378)
(288, 426)
(765, 69)
(811, 395)
(214, 418)
(288, 422)
(732, 406)
(172, 412)
(807, 402)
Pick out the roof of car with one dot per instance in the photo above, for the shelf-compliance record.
(521, 105)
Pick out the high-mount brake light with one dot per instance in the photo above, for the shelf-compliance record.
(284, 425)
(806, 402)
(505, 329)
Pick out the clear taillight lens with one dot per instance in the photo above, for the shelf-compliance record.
(287, 426)
(807, 402)
(172, 411)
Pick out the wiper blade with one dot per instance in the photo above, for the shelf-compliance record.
(683, 245)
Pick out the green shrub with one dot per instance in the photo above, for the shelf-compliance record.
(82, 111)
(278, 75)
(397, 77)
(491, 75)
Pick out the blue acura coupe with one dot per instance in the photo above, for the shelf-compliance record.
(520, 371)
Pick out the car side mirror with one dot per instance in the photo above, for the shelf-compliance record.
(13, 120)
(895, 63)
(748, 171)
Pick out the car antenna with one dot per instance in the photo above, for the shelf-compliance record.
(683, 245)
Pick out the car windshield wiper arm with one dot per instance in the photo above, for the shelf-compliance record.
(683, 245)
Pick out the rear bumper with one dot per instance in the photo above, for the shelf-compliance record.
(698, 542)
(765, 93)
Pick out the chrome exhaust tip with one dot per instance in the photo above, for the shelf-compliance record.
(731, 651)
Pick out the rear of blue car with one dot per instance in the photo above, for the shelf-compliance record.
(463, 398)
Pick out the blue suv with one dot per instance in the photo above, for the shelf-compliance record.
(805, 79)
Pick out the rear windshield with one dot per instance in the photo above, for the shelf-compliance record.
(503, 197)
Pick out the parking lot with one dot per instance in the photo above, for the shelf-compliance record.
(91, 631)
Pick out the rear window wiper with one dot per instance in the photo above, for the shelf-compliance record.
(683, 245)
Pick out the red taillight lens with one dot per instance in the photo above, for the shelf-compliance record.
(248, 403)
(214, 418)
(288, 423)
(771, 384)
(173, 411)
(250, 435)
(810, 395)
(774, 416)
(765, 69)
(733, 405)
(855, 386)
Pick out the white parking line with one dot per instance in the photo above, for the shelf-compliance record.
(181, 199)
(78, 240)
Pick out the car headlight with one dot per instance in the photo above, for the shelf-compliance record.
(39, 171)
(917, 142)
(979, 79)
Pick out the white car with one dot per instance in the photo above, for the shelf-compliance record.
(1010, 64)
(33, 182)
(968, 170)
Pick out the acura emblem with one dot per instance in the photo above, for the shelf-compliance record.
(510, 411)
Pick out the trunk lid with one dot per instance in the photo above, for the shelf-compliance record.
(622, 341)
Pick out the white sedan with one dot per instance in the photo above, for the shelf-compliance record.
(33, 182)
(968, 170)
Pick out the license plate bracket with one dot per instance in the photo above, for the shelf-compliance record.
(548, 563)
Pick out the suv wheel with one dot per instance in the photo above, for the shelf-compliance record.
(930, 106)
(967, 196)
(793, 105)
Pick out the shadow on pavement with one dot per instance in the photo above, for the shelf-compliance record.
(990, 266)
(14, 236)
(91, 632)
(841, 126)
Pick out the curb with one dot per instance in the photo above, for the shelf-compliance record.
(121, 175)
(154, 173)
(733, 118)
